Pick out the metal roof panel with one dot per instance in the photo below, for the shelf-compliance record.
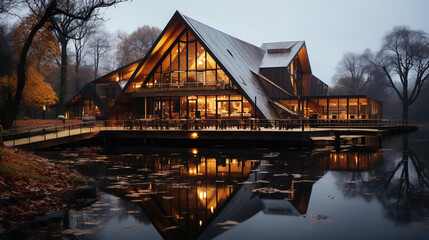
(280, 59)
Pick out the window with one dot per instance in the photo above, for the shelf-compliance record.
(187, 64)
(211, 107)
(333, 108)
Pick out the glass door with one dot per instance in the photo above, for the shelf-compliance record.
(192, 108)
(165, 109)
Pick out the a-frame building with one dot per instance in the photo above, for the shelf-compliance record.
(196, 71)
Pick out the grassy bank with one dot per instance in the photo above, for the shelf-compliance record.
(27, 185)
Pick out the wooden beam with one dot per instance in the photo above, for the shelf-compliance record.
(262, 77)
(279, 105)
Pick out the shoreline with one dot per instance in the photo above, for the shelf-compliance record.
(32, 187)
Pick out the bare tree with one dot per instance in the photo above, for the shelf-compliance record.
(404, 56)
(67, 28)
(7, 5)
(48, 10)
(99, 47)
(352, 74)
(80, 50)
(134, 46)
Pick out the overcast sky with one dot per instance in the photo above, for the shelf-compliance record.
(330, 28)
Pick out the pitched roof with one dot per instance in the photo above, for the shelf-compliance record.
(238, 59)
(280, 54)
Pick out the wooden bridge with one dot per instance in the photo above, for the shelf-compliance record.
(305, 131)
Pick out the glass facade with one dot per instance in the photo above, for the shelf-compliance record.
(81, 105)
(189, 70)
(187, 65)
(295, 74)
(200, 106)
(188, 83)
(335, 108)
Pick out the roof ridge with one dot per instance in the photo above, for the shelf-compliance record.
(241, 40)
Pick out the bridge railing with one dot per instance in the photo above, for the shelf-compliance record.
(29, 135)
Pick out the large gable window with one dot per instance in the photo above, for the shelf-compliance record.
(187, 65)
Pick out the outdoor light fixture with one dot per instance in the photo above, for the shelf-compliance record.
(194, 135)
(194, 151)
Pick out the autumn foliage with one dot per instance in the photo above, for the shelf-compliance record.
(37, 92)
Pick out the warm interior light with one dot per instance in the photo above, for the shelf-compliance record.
(117, 79)
(201, 222)
(192, 171)
(211, 209)
(202, 194)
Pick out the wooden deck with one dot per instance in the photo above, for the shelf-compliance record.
(83, 131)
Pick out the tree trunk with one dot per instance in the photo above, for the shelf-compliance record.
(1, 140)
(63, 78)
(404, 110)
(76, 78)
(95, 72)
(405, 101)
(12, 111)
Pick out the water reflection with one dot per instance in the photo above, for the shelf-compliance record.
(400, 184)
(201, 193)
(406, 189)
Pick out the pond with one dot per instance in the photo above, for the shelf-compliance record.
(178, 193)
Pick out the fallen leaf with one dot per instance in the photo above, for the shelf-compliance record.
(228, 222)
(169, 228)
(131, 229)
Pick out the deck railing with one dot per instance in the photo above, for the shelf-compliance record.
(26, 136)
(252, 124)
(185, 86)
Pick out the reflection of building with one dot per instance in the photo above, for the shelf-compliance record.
(188, 195)
(182, 206)
(351, 161)
(195, 71)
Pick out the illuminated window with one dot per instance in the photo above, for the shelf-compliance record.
(187, 65)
